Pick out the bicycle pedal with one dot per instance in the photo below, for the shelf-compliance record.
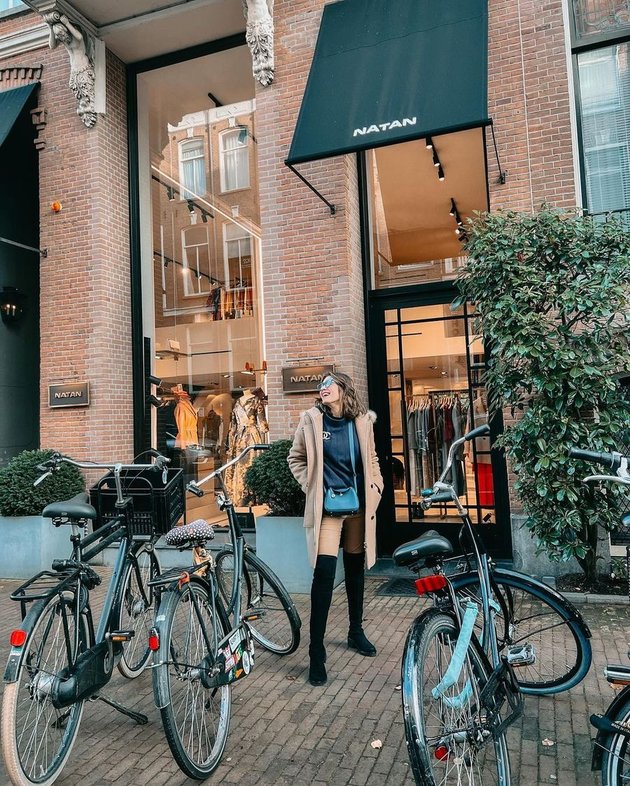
(521, 655)
(252, 616)
(122, 635)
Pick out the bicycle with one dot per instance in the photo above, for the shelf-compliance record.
(57, 659)
(485, 639)
(611, 751)
(201, 646)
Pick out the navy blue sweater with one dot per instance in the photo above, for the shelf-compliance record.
(337, 463)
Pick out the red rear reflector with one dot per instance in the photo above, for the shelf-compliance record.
(441, 752)
(154, 641)
(430, 584)
(17, 638)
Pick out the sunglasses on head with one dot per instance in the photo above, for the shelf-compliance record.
(326, 383)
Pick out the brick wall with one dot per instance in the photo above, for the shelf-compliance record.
(311, 260)
(529, 100)
(85, 284)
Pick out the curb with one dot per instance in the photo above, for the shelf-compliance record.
(582, 598)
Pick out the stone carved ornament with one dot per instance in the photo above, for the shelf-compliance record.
(82, 74)
(259, 37)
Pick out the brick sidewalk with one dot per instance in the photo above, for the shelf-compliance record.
(285, 732)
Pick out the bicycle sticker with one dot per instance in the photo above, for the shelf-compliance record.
(235, 640)
(247, 666)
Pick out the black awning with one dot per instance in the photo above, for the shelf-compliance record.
(386, 72)
(12, 102)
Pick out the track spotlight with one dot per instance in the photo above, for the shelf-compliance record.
(170, 193)
(429, 143)
(453, 209)
(440, 174)
(436, 160)
(191, 206)
(154, 380)
(204, 216)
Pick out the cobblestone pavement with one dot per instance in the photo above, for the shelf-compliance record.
(285, 732)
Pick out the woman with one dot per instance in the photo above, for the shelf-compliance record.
(321, 459)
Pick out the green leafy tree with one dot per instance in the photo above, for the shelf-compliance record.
(18, 496)
(270, 482)
(552, 295)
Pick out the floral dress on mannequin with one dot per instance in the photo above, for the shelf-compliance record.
(248, 426)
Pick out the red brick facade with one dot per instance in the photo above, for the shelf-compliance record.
(313, 287)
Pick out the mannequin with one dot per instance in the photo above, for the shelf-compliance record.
(248, 426)
(221, 406)
(185, 417)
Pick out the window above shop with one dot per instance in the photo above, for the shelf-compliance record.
(192, 167)
(8, 7)
(234, 159)
(595, 19)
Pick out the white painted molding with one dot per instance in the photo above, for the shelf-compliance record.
(24, 41)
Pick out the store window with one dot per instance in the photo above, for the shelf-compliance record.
(192, 168)
(201, 263)
(234, 159)
(596, 18)
(11, 5)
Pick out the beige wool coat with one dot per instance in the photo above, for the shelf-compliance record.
(306, 462)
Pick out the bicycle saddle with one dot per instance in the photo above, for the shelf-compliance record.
(198, 531)
(75, 508)
(429, 544)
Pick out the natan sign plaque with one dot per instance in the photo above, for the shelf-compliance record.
(70, 394)
(304, 379)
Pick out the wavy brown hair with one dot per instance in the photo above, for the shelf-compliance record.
(351, 404)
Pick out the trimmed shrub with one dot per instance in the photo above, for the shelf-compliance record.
(270, 482)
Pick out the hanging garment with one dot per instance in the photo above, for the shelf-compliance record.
(485, 485)
(248, 425)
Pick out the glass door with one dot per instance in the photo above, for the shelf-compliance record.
(433, 393)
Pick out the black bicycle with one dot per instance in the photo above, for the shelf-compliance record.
(611, 752)
(57, 659)
(202, 644)
(491, 636)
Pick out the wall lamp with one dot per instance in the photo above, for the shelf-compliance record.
(11, 305)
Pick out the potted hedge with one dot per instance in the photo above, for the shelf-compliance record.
(29, 541)
(280, 538)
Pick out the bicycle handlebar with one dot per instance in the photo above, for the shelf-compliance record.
(609, 460)
(195, 485)
(52, 464)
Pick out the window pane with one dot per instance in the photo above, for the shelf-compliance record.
(234, 160)
(600, 17)
(605, 114)
(206, 332)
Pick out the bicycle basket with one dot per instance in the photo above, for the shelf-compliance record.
(157, 506)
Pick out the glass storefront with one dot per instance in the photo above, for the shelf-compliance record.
(201, 263)
(434, 365)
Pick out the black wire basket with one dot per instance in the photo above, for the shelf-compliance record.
(157, 506)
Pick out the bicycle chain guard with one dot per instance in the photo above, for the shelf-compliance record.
(502, 687)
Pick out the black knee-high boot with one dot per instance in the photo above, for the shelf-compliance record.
(321, 597)
(354, 566)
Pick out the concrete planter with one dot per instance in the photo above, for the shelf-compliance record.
(527, 561)
(30, 544)
(281, 543)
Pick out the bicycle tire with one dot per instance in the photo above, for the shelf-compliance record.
(182, 648)
(615, 769)
(278, 629)
(135, 614)
(443, 741)
(27, 705)
(528, 608)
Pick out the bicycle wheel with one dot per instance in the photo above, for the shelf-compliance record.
(36, 737)
(196, 719)
(136, 611)
(448, 738)
(278, 627)
(531, 613)
(616, 759)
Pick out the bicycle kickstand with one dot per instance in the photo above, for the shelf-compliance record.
(139, 717)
